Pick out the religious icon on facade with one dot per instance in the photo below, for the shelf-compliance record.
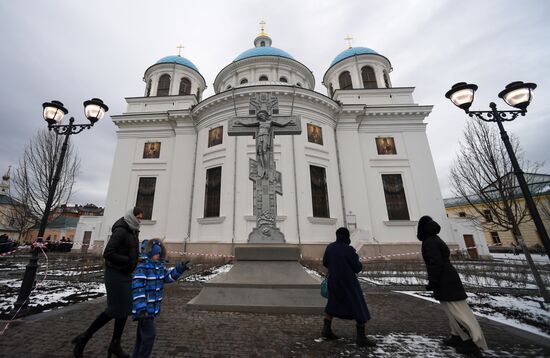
(385, 145)
(314, 134)
(215, 136)
(151, 150)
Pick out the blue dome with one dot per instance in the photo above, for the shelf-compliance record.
(178, 59)
(263, 51)
(352, 52)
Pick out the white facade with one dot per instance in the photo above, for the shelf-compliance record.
(350, 120)
(92, 225)
(463, 227)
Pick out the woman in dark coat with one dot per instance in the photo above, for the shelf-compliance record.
(443, 280)
(345, 297)
(121, 257)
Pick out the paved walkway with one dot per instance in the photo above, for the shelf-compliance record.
(404, 326)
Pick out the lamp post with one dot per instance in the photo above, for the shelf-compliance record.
(53, 113)
(518, 95)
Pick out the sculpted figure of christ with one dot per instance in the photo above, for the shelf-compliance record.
(263, 137)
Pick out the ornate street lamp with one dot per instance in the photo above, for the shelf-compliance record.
(53, 113)
(518, 95)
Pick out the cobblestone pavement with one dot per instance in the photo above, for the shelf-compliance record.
(404, 327)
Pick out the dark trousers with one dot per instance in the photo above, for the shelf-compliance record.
(145, 338)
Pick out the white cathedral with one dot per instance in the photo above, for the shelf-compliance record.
(362, 159)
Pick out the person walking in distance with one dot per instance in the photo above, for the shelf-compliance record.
(345, 297)
(443, 280)
(121, 258)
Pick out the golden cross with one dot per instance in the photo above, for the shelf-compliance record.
(262, 25)
(348, 39)
(180, 47)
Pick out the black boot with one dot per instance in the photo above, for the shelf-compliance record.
(469, 347)
(452, 341)
(327, 330)
(79, 344)
(362, 339)
(116, 349)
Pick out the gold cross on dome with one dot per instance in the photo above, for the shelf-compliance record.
(348, 39)
(262, 27)
(180, 47)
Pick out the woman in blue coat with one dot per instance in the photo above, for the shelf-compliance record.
(345, 298)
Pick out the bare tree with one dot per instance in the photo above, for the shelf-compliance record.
(482, 175)
(33, 179)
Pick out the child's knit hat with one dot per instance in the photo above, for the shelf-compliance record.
(155, 249)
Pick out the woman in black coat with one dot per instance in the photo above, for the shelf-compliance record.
(345, 297)
(444, 281)
(121, 257)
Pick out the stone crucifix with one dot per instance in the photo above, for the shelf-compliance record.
(263, 126)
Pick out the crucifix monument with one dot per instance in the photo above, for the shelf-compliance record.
(263, 124)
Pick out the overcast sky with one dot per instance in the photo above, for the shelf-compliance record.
(73, 50)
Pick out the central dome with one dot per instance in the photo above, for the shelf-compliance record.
(262, 47)
(263, 51)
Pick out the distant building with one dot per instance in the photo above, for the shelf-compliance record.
(494, 236)
(7, 210)
(63, 222)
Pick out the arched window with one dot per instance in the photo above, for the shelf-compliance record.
(386, 79)
(263, 78)
(185, 86)
(283, 79)
(298, 84)
(369, 80)
(262, 43)
(164, 85)
(345, 80)
(244, 81)
(228, 87)
(148, 88)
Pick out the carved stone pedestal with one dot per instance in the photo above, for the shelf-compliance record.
(264, 278)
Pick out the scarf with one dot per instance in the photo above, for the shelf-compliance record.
(131, 220)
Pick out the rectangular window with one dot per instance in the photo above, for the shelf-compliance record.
(151, 150)
(488, 216)
(319, 192)
(462, 214)
(314, 134)
(215, 136)
(495, 238)
(146, 196)
(385, 145)
(212, 192)
(396, 202)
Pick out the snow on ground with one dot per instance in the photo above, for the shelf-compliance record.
(391, 278)
(539, 259)
(394, 280)
(520, 311)
(312, 272)
(208, 274)
(413, 345)
(48, 294)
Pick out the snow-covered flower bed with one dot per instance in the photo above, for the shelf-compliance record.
(523, 312)
(52, 292)
(48, 294)
(207, 274)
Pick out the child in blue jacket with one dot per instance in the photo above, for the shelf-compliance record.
(147, 286)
